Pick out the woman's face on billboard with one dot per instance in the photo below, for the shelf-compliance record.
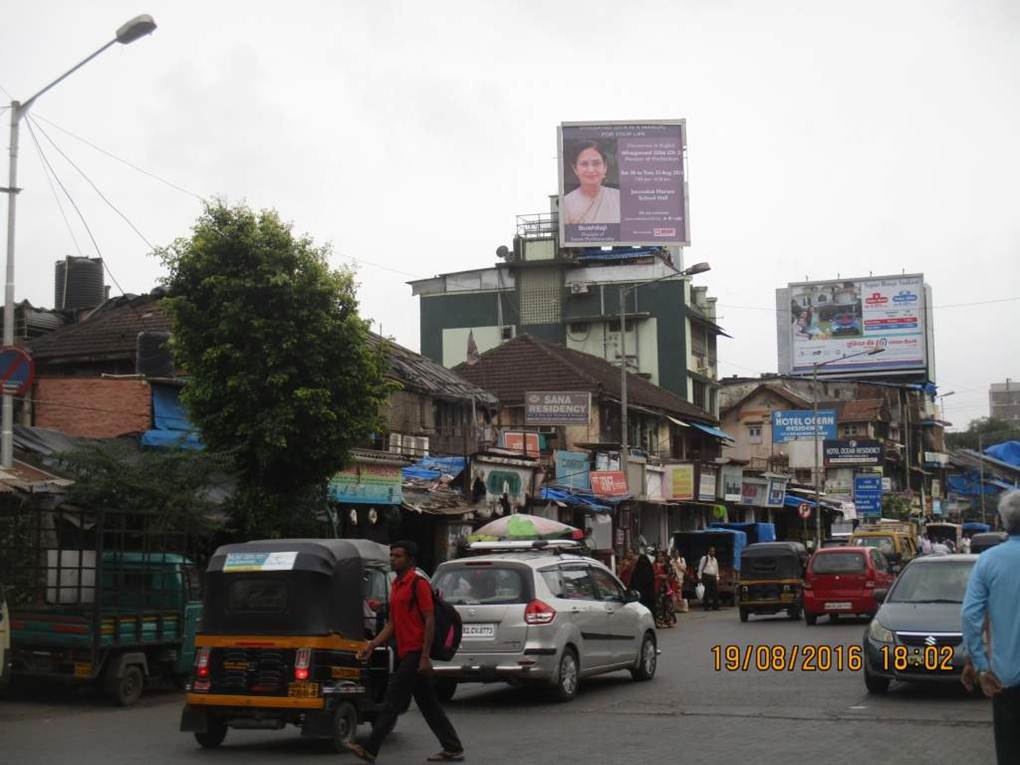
(590, 168)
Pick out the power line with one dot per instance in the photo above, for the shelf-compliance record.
(47, 171)
(95, 188)
(81, 217)
(357, 260)
(123, 161)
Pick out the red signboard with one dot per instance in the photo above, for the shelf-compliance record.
(515, 441)
(609, 483)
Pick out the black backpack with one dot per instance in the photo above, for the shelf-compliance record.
(449, 626)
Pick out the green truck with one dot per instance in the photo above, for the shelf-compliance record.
(104, 598)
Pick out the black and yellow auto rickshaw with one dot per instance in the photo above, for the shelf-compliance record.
(772, 579)
(283, 622)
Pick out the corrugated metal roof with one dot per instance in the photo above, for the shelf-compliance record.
(420, 373)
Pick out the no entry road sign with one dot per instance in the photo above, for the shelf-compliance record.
(17, 370)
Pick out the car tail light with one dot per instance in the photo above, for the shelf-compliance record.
(538, 612)
(302, 661)
(202, 662)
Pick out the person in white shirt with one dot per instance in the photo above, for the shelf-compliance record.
(925, 546)
(708, 574)
(965, 545)
(939, 548)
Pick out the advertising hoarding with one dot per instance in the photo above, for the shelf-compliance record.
(572, 469)
(623, 183)
(868, 495)
(706, 485)
(516, 440)
(681, 481)
(550, 408)
(732, 478)
(822, 322)
(609, 483)
(368, 484)
(863, 451)
(800, 425)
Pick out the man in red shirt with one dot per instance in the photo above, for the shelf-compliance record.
(412, 621)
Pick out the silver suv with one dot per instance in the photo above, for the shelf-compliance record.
(544, 617)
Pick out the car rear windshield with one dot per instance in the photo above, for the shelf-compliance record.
(838, 563)
(480, 585)
(932, 583)
(881, 543)
(257, 596)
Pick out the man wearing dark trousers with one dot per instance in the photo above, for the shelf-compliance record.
(708, 572)
(412, 621)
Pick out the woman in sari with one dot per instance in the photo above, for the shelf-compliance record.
(591, 202)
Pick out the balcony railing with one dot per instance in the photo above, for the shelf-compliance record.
(538, 225)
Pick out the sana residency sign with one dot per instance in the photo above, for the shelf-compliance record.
(552, 408)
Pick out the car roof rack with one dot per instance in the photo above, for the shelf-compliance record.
(555, 546)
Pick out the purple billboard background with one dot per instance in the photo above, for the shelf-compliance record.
(650, 170)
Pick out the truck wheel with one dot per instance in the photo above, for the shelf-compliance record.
(215, 732)
(345, 725)
(127, 688)
(445, 689)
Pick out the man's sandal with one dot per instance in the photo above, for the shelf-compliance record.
(445, 756)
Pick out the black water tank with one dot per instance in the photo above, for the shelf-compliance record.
(152, 354)
(78, 283)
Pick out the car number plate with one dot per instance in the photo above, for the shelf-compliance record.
(478, 631)
(83, 669)
(838, 606)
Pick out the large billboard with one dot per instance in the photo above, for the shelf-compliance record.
(623, 183)
(820, 323)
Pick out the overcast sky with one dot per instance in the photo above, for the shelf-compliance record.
(825, 139)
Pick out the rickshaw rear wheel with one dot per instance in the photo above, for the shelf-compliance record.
(345, 725)
(215, 732)
(743, 614)
(811, 619)
(794, 614)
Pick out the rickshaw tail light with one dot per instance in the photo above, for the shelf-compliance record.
(538, 612)
(302, 661)
(202, 662)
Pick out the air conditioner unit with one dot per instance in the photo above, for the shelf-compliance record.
(396, 442)
(580, 288)
(421, 446)
(407, 444)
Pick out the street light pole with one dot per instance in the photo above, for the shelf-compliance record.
(697, 268)
(817, 471)
(136, 28)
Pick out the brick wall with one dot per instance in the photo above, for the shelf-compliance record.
(91, 407)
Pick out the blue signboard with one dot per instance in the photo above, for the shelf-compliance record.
(572, 469)
(868, 495)
(800, 424)
(17, 370)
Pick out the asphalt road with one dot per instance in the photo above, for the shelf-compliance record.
(690, 713)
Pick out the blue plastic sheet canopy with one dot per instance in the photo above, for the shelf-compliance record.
(433, 468)
(578, 498)
(1007, 451)
(714, 432)
(969, 484)
(173, 428)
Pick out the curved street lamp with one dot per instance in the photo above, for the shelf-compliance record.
(135, 29)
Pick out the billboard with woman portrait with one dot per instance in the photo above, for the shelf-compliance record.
(623, 183)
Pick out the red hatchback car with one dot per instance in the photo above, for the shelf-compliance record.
(843, 580)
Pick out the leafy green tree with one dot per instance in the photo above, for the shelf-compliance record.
(985, 431)
(282, 375)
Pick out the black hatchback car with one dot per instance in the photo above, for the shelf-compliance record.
(917, 636)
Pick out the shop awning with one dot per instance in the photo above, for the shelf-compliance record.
(714, 432)
(582, 499)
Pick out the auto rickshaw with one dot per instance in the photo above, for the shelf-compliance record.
(981, 542)
(284, 620)
(772, 579)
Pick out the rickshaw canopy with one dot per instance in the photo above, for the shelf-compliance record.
(773, 560)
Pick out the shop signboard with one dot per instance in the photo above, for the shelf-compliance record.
(840, 452)
(776, 495)
(515, 440)
(552, 408)
(803, 425)
(368, 484)
(706, 485)
(609, 483)
(754, 491)
(868, 495)
(572, 469)
(681, 481)
(732, 479)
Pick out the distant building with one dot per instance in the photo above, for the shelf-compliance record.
(571, 297)
(1004, 401)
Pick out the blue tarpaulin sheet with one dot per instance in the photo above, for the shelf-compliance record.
(173, 428)
(969, 484)
(583, 499)
(1007, 451)
(432, 468)
(712, 431)
(759, 532)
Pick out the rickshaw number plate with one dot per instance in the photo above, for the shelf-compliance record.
(82, 669)
(477, 631)
(303, 690)
(841, 605)
(236, 665)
